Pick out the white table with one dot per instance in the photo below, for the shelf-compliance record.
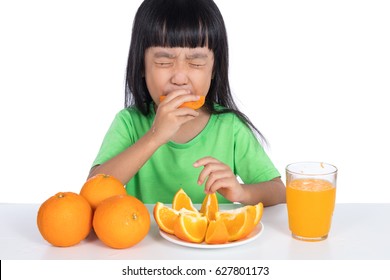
(359, 231)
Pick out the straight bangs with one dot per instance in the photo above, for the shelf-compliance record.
(186, 26)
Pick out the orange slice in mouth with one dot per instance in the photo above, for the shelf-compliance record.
(191, 104)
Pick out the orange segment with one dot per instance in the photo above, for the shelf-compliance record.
(182, 200)
(165, 217)
(239, 222)
(210, 206)
(190, 227)
(258, 208)
(256, 211)
(217, 232)
(192, 104)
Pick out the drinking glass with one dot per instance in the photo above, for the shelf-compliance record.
(310, 196)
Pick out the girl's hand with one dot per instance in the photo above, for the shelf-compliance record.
(169, 117)
(220, 178)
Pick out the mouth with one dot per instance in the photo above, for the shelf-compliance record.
(195, 105)
(186, 90)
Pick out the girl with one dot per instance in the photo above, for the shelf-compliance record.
(179, 50)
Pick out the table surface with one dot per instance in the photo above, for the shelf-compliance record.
(359, 231)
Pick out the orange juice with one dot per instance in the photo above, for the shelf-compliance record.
(310, 204)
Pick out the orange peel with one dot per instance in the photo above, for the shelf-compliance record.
(191, 104)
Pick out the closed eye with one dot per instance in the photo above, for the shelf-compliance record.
(163, 64)
(196, 65)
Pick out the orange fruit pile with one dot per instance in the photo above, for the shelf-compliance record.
(209, 224)
(121, 221)
(118, 219)
(191, 104)
(99, 187)
(64, 219)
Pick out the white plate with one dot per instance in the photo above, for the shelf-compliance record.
(255, 233)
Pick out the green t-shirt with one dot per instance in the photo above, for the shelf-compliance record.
(225, 137)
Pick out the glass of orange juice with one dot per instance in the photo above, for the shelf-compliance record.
(310, 196)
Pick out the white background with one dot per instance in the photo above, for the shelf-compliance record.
(314, 76)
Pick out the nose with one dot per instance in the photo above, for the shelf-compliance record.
(179, 77)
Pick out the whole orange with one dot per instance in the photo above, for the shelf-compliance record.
(121, 221)
(64, 219)
(99, 187)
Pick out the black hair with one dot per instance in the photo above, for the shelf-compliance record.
(181, 23)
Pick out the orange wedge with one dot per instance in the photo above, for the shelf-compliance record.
(239, 222)
(182, 200)
(210, 206)
(165, 217)
(192, 104)
(190, 227)
(256, 211)
(217, 232)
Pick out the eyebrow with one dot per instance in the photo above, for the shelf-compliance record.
(197, 55)
(163, 54)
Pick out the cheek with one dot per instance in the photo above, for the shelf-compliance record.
(154, 83)
(203, 84)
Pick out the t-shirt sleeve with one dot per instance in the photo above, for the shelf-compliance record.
(252, 163)
(117, 138)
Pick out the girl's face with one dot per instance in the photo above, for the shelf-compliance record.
(171, 69)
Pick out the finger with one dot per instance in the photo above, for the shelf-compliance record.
(165, 100)
(173, 115)
(173, 94)
(178, 98)
(186, 111)
(219, 185)
(209, 169)
(213, 178)
(205, 161)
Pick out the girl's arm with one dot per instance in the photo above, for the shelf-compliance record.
(167, 122)
(219, 177)
(270, 193)
(126, 164)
